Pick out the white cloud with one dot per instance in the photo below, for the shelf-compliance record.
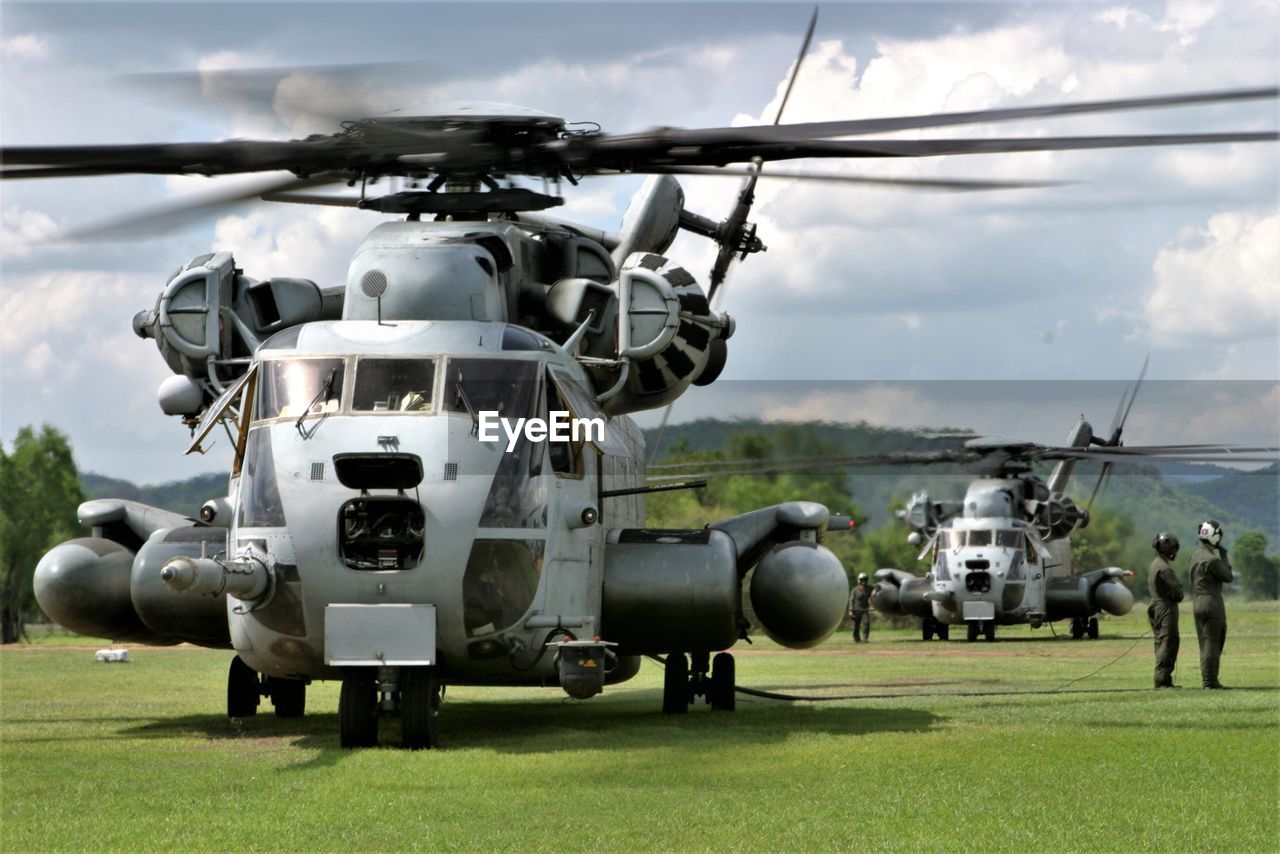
(1220, 281)
(28, 46)
(1225, 414)
(19, 228)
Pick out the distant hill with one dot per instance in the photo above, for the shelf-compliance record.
(179, 496)
(1254, 496)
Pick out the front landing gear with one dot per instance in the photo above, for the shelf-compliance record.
(419, 708)
(245, 688)
(929, 628)
(698, 675)
(413, 692)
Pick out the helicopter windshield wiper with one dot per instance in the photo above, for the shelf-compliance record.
(460, 394)
(322, 395)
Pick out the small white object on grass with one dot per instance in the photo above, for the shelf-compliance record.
(112, 655)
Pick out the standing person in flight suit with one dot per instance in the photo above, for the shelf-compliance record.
(1210, 568)
(1162, 613)
(860, 609)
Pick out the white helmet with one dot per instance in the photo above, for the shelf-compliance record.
(862, 576)
(1210, 532)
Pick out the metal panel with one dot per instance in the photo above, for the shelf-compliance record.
(379, 635)
(979, 610)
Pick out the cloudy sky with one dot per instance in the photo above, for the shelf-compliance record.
(1009, 312)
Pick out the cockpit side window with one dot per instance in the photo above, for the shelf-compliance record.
(508, 387)
(566, 457)
(394, 385)
(288, 388)
(952, 539)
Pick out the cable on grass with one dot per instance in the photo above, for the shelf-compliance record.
(797, 698)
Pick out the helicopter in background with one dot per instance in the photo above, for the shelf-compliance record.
(1002, 554)
(369, 533)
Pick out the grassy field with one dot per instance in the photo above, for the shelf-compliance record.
(935, 754)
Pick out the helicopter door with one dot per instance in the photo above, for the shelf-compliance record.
(225, 405)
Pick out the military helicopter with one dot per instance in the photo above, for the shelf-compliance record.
(374, 530)
(1002, 554)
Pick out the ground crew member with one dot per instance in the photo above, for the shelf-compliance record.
(859, 609)
(1209, 569)
(1162, 613)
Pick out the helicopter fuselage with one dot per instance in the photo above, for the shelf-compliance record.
(489, 540)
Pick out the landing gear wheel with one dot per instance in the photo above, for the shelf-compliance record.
(288, 696)
(1093, 628)
(1077, 628)
(989, 630)
(358, 711)
(419, 708)
(722, 683)
(944, 631)
(243, 690)
(675, 685)
(973, 628)
(926, 629)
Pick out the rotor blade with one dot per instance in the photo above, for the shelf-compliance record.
(183, 158)
(617, 154)
(1140, 454)
(1097, 487)
(946, 184)
(733, 229)
(164, 218)
(857, 127)
(261, 87)
(312, 199)
(1118, 429)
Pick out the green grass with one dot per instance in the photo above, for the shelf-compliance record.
(136, 756)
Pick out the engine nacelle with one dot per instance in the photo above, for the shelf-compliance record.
(658, 330)
(209, 314)
(799, 592)
(83, 585)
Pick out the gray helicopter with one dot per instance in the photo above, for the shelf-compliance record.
(403, 509)
(1002, 554)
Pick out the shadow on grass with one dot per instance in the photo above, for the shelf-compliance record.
(629, 723)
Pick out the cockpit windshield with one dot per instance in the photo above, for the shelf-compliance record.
(1005, 539)
(287, 388)
(393, 385)
(508, 387)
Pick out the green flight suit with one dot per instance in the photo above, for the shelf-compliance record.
(1162, 613)
(1209, 569)
(860, 611)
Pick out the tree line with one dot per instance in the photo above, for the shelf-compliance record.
(39, 493)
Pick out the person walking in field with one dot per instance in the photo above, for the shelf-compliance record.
(1162, 613)
(1210, 569)
(860, 609)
